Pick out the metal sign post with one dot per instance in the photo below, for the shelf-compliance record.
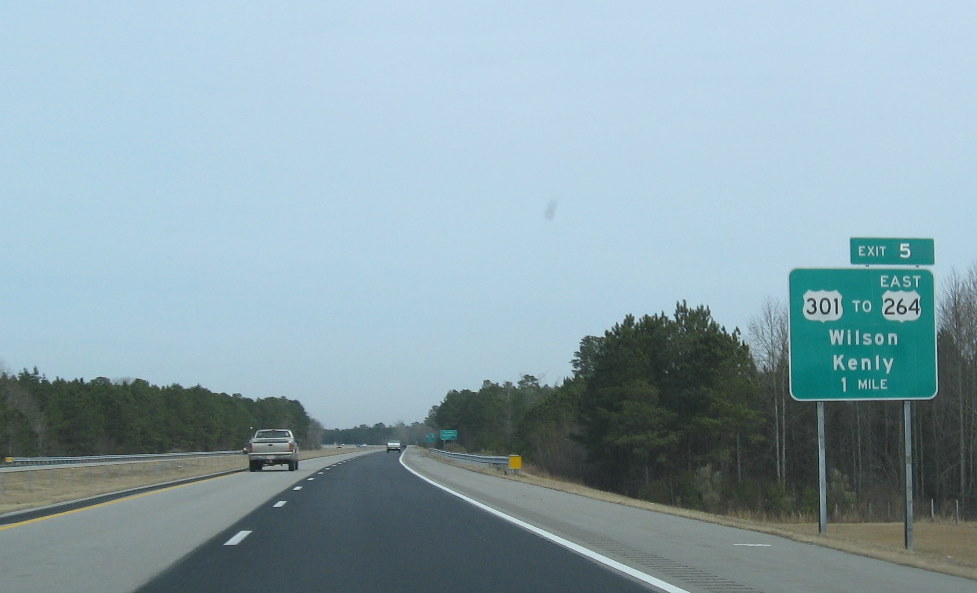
(908, 449)
(822, 475)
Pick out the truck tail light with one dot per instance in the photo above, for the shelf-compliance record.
(291, 447)
(250, 448)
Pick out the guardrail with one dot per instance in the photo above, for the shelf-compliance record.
(24, 461)
(478, 459)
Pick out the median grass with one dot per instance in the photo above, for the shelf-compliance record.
(32, 488)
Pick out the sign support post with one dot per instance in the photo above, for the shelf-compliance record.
(822, 475)
(908, 448)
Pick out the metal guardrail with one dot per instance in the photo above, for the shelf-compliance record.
(25, 461)
(479, 459)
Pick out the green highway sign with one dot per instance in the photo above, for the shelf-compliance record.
(891, 252)
(449, 435)
(862, 334)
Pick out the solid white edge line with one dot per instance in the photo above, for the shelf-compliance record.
(597, 557)
(237, 538)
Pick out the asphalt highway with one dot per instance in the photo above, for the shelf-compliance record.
(370, 526)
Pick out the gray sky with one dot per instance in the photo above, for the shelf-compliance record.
(364, 205)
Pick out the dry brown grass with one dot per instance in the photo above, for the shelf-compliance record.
(36, 488)
(940, 546)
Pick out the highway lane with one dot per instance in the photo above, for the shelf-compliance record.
(371, 526)
(117, 546)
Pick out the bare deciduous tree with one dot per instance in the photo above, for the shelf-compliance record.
(768, 339)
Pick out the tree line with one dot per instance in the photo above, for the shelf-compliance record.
(42, 417)
(670, 408)
(676, 409)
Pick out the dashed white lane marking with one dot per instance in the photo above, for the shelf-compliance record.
(297, 488)
(238, 538)
(279, 504)
(309, 479)
(753, 545)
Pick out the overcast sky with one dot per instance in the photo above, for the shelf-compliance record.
(363, 205)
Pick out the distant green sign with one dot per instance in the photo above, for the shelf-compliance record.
(891, 252)
(862, 334)
(449, 435)
(431, 437)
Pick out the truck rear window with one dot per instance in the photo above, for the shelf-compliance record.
(272, 434)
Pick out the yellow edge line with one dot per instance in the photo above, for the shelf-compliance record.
(105, 504)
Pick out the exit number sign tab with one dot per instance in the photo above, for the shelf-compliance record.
(891, 252)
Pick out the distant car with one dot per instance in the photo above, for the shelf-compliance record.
(393, 446)
(339, 446)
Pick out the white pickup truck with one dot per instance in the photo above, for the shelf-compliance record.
(273, 446)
